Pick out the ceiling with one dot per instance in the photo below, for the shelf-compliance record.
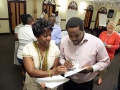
(98, 0)
(108, 3)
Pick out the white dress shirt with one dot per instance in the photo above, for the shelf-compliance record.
(25, 36)
(90, 51)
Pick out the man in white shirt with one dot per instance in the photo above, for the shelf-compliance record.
(44, 14)
(25, 36)
(16, 39)
(84, 50)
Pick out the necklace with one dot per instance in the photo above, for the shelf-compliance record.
(42, 59)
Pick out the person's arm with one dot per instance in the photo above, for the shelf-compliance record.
(56, 63)
(102, 62)
(58, 36)
(117, 42)
(30, 67)
(16, 33)
(103, 59)
(63, 61)
(32, 71)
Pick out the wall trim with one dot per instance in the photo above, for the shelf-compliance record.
(63, 19)
(4, 18)
(5, 33)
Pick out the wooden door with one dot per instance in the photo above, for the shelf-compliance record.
(102, 10)
(16, 8)
(87, 19)
(50, 8)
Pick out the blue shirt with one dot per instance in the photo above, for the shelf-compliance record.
(56, 34)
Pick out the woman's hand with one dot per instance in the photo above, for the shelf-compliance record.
(108, 46)
(42, 85)
(59, 70)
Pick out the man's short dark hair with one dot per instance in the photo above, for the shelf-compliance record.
(22, 17)
(40, 26)
(75, 22)
(27, 19)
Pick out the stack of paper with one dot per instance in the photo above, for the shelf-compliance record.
(52, 82)
(69, 73)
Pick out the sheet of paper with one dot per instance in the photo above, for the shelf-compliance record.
(72, 72)
(52, 82)
(105, 43)
(102, 19)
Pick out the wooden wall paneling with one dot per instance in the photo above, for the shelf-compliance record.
(22, 10)
(15, 9)
(17, 12)
(51, 10)
(13, 15)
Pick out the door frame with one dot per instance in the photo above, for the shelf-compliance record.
(89, 9)
(49, 3)
(90, 18)
(9, 12)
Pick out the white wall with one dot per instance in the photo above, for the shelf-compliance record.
(62, 11)
(116, 21)
(4, 24)
(30, 7)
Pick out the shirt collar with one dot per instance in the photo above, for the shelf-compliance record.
(85, 38)
(27, 25)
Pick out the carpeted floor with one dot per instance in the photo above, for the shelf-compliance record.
(11, 76)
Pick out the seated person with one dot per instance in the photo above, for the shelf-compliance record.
(41, 58)
(16, 39)
(25, 36)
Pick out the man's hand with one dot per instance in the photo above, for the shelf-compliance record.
(87, 70)
(68, 64)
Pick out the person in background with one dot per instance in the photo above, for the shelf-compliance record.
(56, 33)
(111, 41)
(16, 40)
(44, 14)
(58, 19)
(41, 58)
(84, 49)
(25, 36)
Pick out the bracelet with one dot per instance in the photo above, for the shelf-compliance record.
(49, 73)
